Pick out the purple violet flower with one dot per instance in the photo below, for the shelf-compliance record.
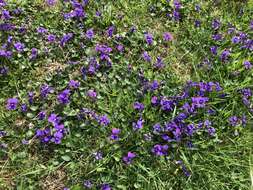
(63, 97)
(247, 65)
(92, 94)
(104, 120)
(51, 38)
(138, 106)
(138, 125)
(115, 134)
(146, 56)
(98, 155)
(42, 115)
(105, 187)
(216, 24)
(214, 50)
(12, 104)
(19, 47)
(90, 34)
(87, 184)
(149, 38)
(129, 158)
(233, 120)
(74, 84)
(199, 102)
(160, 150)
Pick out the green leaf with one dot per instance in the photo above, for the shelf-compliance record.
(66, 158)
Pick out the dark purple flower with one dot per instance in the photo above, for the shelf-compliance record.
(242, 36)
(6, 54)
(3, 133)
(51, 2)
(231, 30)
(177, 4)
(92, 94)
(105, 187)
(149, 38)
(110, 31)
(246, 101)
(246, 92)
(98, 14)
(138, 125)
(138, 106)
(42, 115)
(90, 34)
(157, 128)
(160, 150)
(225, 55)
(154, 100)
(244, 120)
(115, 134)
(41, 30)
(199, 102)
(236, 39)
(154, 85)
(51, 38)
(6, 27)
(63, 97)
(176, 15)
(104, 120)
(217, 37)
(98, 155)
(44, 135)
(65, 38)
(211, 131)
(9, 39)
(216, 24)
(101, 48)
(132, 29)
(233, 120)
(59, 133)
(4, 70)
(197, 23)
(159, 63)
(167, 104)
(146, 56)
(207, 123)
(34, 53)
(12, 104)
(190, 129)
(247, 65)
(197, 8)
(23, 108)
(6, 14)
(30, 97)
(2, 3)
(45, 90)
(87, 184)
(79, 12)
(214, 50)
(248, 44)
(74, 84)
(54, 119)
(129, 158)
(120, 48)
(19, 46)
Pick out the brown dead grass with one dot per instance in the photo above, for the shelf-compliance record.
(54, 181)
(6, 179)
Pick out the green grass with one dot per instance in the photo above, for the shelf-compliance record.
(225, 162)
